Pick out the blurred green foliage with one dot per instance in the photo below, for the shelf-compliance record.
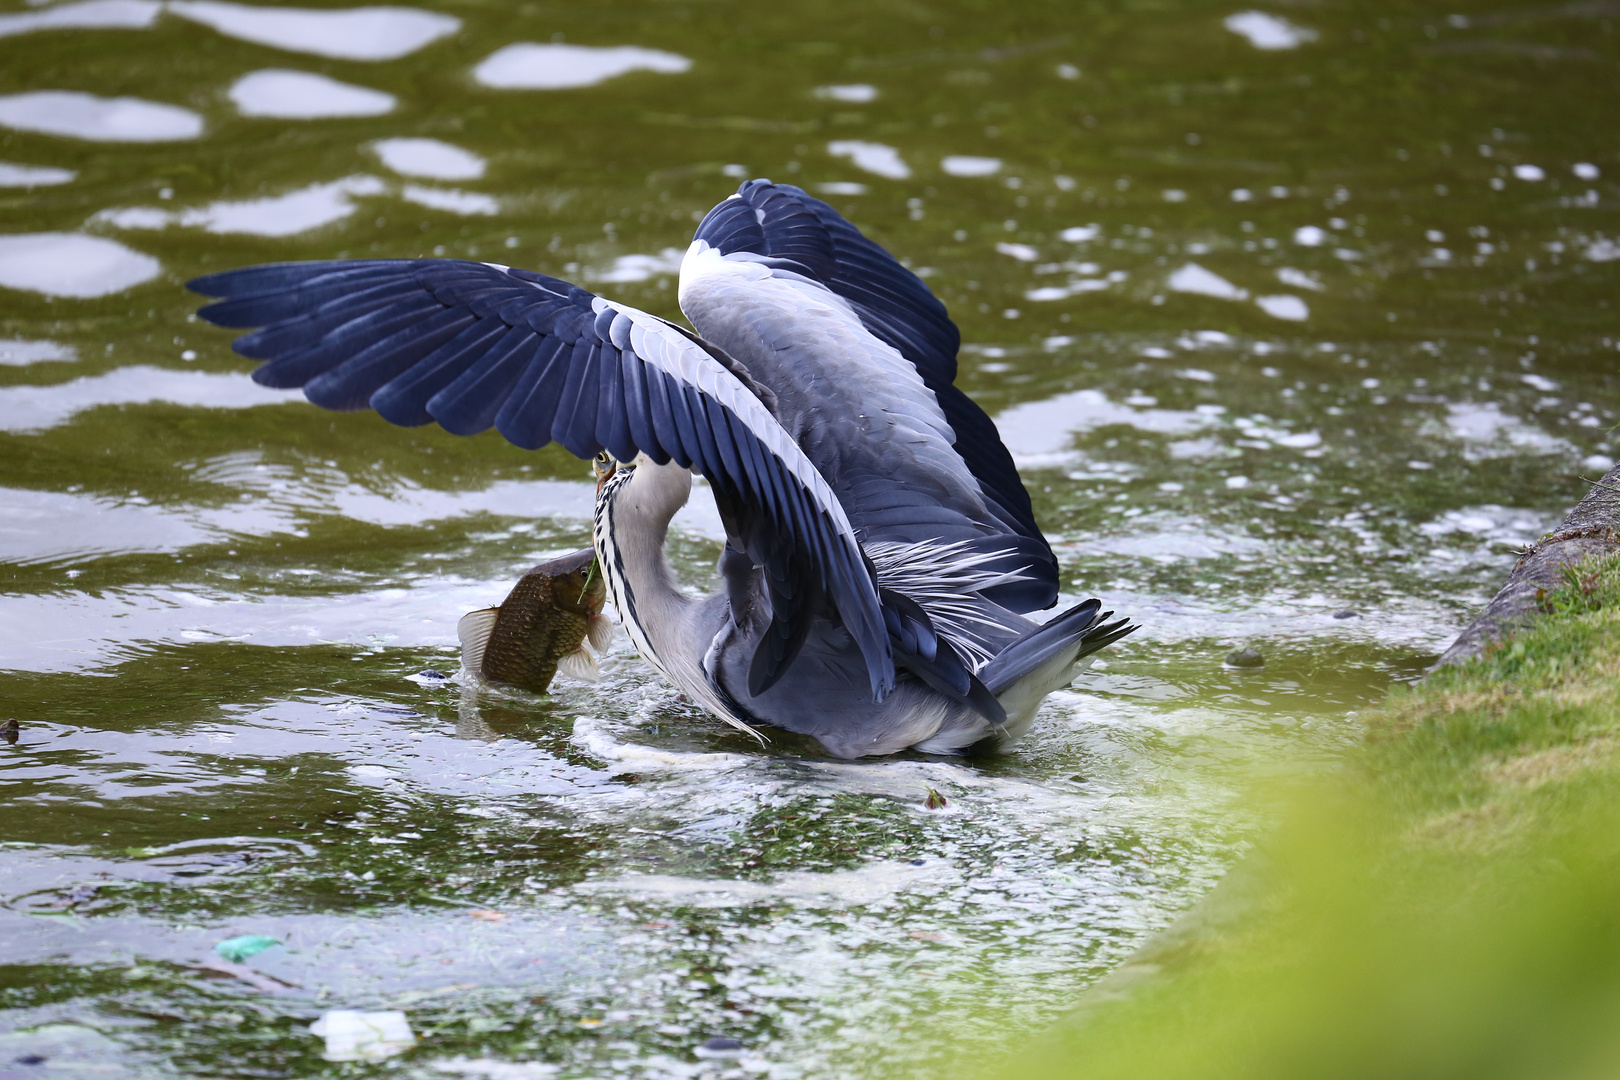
(1447, 906)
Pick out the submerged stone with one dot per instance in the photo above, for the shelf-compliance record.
(1245, 658)
(719, 1046)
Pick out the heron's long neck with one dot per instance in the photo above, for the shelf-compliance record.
(632, 526)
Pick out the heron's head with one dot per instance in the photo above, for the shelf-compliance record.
(611, 477)
(604, 466)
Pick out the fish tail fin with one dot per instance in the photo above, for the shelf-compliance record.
(474, 630)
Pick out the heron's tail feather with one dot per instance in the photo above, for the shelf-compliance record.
(1043, 659)
(919, 649)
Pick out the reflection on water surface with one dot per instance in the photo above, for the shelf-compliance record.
(1298, 322)
(303, 95)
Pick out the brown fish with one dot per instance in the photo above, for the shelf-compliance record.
(551, 621)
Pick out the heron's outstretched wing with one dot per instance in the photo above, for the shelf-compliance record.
(476, 345)
(793, 230)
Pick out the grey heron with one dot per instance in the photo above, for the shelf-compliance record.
(881, 552)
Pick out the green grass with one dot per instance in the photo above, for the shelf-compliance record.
(1447, 906)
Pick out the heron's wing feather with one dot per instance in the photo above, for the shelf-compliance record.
(475, 345)
(796, 231)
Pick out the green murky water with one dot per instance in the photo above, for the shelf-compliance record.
(1285, 315)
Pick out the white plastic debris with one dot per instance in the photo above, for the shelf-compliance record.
(361, 1036)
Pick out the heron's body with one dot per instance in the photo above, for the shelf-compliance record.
(881, 552)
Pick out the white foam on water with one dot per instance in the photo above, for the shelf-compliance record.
(597, 739)
(875, 158)
(429, 159)
(1194, 279)
(77, 115)
(304, 95)
(366, 33)
(1310, 236)
(968, 165)
(867, 884)
(19, 352)
(853, 93)
(87, 15)
(466, 203)
(1021, 252)
(71, 264)
(528, 66)
(842, 187)
(32, 176)
(1268, 32)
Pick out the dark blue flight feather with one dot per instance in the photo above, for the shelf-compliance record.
(473, 345)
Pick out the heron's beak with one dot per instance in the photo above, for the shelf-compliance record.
(604, 467)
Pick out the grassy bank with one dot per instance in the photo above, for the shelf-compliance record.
(1449, 906)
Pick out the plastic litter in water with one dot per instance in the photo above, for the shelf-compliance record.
(361, 1036)
(238, 949)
